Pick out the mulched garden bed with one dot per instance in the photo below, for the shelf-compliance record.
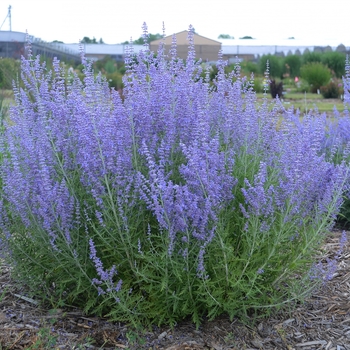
(322, 322)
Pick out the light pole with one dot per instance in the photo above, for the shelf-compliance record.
(9, 16)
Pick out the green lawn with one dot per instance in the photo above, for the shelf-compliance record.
(307, 101)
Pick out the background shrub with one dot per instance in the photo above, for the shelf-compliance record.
(276, 89)
(331, 90)
(258, 84)
(316, 74)
(9, 72)
(303, 86)
(335, 62)
(312, 57)
(249, 67)
(115, 80)
(112, 70)
(275, 65)
(291, 65)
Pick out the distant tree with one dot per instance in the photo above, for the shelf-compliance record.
(311, 56)
(335, 62)
(101, 41)
(58, 42)
(87, 40)
(275, 65)
(291, 65)
(249, 67)
(140, 41)
(225, 36)
(247, 37)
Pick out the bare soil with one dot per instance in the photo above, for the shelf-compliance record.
(322, 322)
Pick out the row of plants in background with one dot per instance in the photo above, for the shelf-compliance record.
(114, 71)
(316, 70)
(312, 71)
(186, 198)
(290, 65)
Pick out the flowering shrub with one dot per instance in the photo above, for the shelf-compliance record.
(346, 82)
(184, 198)
(337, 141)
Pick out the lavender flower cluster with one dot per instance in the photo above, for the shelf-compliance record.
(81, 163)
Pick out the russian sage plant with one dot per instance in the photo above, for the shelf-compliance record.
(184, 198)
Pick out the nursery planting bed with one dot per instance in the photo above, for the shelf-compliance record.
(322, 322)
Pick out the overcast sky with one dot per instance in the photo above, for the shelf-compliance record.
(115, 21)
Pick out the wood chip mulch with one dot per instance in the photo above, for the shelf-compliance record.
(322, 322)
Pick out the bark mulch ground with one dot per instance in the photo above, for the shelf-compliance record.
(322, 322)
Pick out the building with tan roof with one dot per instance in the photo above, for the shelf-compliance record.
(206, 49)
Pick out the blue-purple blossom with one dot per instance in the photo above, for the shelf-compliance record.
(346, 83)
(106, 277)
